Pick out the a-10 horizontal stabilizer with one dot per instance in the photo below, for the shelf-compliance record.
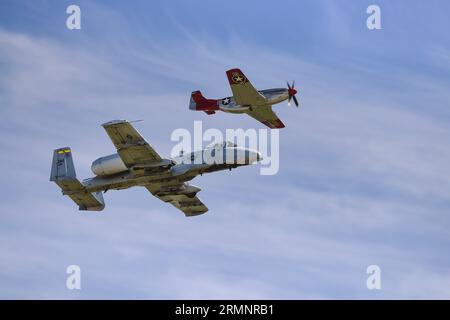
(63, 174)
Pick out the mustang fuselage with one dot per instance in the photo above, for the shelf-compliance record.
(272, 96)
(228, 104)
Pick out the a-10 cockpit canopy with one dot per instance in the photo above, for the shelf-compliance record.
(221, 145)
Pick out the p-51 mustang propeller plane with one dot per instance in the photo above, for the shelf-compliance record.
(136, 163)
(246, 99)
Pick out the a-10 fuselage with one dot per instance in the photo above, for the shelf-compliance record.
(111, 172)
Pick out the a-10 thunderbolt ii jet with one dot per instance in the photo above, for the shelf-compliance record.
(136, 163)
(246, 99)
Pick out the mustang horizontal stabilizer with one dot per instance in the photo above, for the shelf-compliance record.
(63, 174)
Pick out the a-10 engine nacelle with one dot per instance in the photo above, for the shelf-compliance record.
(108, 165)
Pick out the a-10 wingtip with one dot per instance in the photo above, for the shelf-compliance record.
(112, 122)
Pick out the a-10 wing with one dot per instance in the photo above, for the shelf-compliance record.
(134, 150)
(176, 195)
(130, 145)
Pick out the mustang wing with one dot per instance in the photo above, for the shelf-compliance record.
(130, 145)
(266, 116)
(180, 196)
(243, 91)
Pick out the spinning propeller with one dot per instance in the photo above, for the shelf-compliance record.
(292, 92)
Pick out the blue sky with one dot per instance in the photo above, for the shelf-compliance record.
(364, 176)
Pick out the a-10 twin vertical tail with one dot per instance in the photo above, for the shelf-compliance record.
(63, 174)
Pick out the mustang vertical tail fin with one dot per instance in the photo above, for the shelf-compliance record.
(200, 103)
(63, 174)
